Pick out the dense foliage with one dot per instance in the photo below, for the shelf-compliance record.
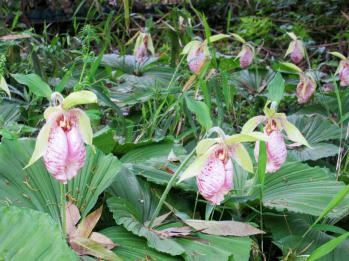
(174, 130)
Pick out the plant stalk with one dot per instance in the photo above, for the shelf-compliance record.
(169, 186)
(63, 209)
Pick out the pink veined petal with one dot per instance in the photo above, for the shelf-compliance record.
(246, 57)
(196, 59)
(276, 151)
(305, 89)
(76, 153)
(56, 155)
(297, 53)
(344, 74)
(142, 53)
(215, 179)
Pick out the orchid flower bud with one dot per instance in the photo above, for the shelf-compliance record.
(275, 147)
(344, 72)
(305, 88)
(61, 140)
(216, 177)
(143, 46)
(297, 53)
(196, 58)
(296, 49)
(246, 56)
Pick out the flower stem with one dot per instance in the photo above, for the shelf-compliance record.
(169, 186)
(63, 214)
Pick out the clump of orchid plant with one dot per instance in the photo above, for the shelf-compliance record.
(213, 167)
(61, 140)
(144, 46)
(273, 124)
(343, 69)
(296, 49)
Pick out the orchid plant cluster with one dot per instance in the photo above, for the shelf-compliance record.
(213, 167)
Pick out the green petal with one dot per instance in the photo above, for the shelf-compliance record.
(193, 44)
(84, 126)
(77, 98)
(339, 55)
(252, 123)
(41, 143)
(194, 168)
(205, 145)
(290, 48)
(245, 137)
(294, 134)
(241, 156)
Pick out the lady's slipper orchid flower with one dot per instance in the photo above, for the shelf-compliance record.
(274, 123)
(213, 167)
(144, 45)
(305, 88)
(61, 140)
(246, 56)
(296, 49)
(198, 52)
(343, 69)
(197, 55)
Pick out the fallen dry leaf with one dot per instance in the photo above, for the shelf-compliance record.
(224, 228)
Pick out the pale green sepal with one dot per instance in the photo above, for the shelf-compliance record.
(339, 55)
(205, 145)
(41, 143)
(191, 45)
(4, 86)
(245, 137)
(294, 134)
(196, 166)
(239, 38)
(78, 98)
(218, 37)
(241, 156)
(252, 124)
(84, 126)
(292, 36)
(290, 48)
(292, 67)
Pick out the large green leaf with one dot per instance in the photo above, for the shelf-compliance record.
(208, 248)
(26, 234)
(35, 84)
(303, 189)
(131, 247)
(138, 83)
(201, 111)
(317, 130)
(35, 188)
(288, 230)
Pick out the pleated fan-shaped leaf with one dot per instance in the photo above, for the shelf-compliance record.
(318, 131)
(35, 188)
(30, 235)
(297, 187)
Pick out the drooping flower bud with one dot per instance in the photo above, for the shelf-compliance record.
(297, 53)
(143, 47)
(246, 56)
(275, 147)
(196, 59)
(216, 177)
(305, 88)
(344, 72)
